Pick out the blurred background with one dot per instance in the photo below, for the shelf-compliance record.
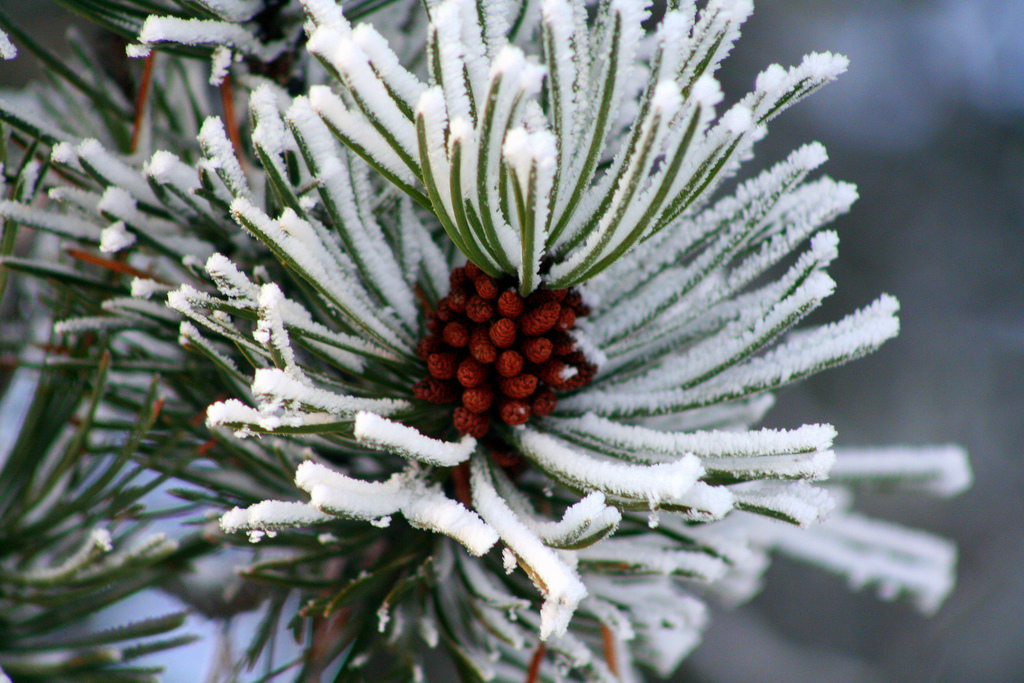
(929, 123)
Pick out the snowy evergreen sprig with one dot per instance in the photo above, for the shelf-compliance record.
(73, 537)
(574, 159)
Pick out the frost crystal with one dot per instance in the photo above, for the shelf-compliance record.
(7, 51)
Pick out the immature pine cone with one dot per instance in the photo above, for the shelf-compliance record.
(498, 355)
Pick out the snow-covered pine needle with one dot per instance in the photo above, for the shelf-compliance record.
(395, 437)
(557, 580)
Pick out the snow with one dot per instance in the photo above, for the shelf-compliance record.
(68, 226)
(644, 556)
(668, 620)
(92, 324)
(400, 81)
(220, 64)
(667, 99)
(296, 241)
(157, 29)
(233, 10)
(532, 157)
(167, 169)
(188, 334)
(152, 310)
(118, 202)
(274, 386)
(703, 503)
(796, 502)
(344, 188)
(450, 53)
(296, 319)
(354, 127)
(233, 412)
(738, 119)
(673, 41)
(762, 320)
(115, 237)
(25, 110)
(810, 466)
(807, 438)
(487, 588)
(590, 519)
(518, 151)
(337, 494)
(433, 511)
(102, 539)
(714, 34)
(619, 225)
(7, 51)
(681, 287)
(423, 506)
(432, 115)
(559, 24)
(64, 153)
(134, 51)
(379, 432)
(113, 172)
(775, 83)
(662, 483)
(357, 73)
(271, 514)
(151, 548)
(97, 543)
(270, 330)
(685, 324)
(345, 350)
(826, 346)
(557, 580)
(326, 13)
(231, 282)
(221, 156)
(269, 133)
(29, 179)
(937, 470)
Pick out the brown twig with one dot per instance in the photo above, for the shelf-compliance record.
(610, 656)
(157, 407)
(533, 675)
(140, 102)
(460, 480)
(109, 264)
(206, 446)
(227, 99)
(421, 297)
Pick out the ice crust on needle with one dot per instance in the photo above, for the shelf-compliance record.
(655, 484)
(422, 505)
(379, 432)
(60, 224)
(272, 515)
(157, 30)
